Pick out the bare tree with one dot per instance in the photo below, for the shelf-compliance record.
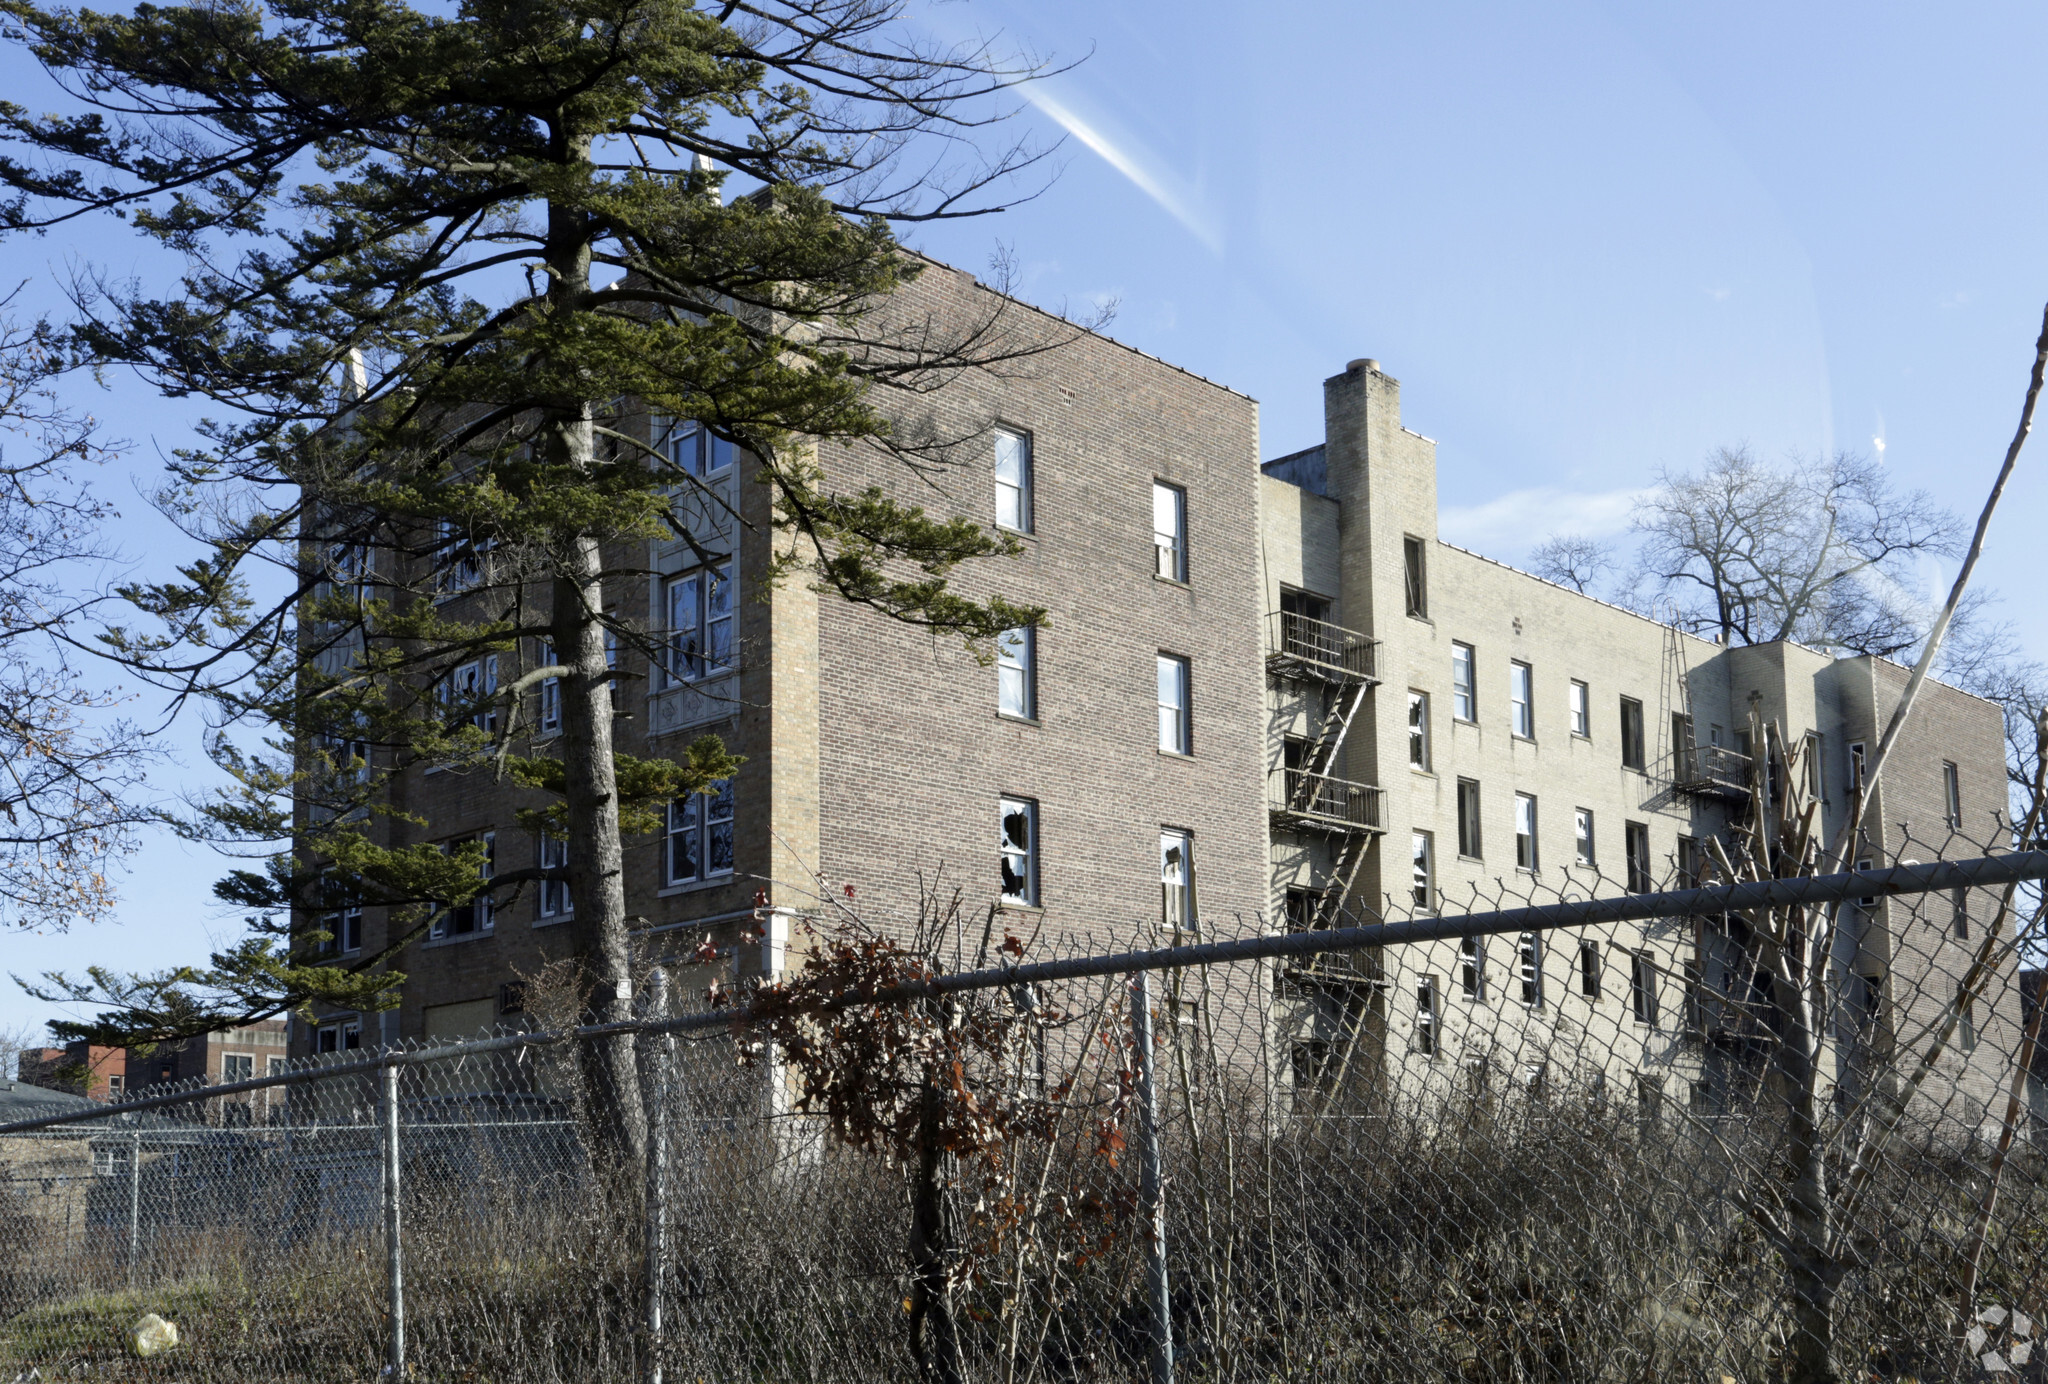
(1818, 552)
(69, 769)
(1572, 559)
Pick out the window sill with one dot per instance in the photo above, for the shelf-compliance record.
(1422, 619)
(461, 937)
(1582, 735)
(1176, 754)
(1016, 720)
(1421, 772)
(1018, 906)
(1472, 859)
(1181, 582)
(555, 921)
(1520, 738)
(695, 886)
(1015, 533)
(1465, 721)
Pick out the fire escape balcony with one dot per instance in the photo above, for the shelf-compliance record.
(1710, 771)
(1299, 647)
(1317, 802)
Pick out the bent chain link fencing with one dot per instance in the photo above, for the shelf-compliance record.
(1565, 1133)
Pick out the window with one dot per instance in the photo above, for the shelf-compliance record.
(1300, 907)
(1589, 970)
(1422, 855)
(1582, 835)
(1855, 766)
(699, 619)
(1631, 733)
(1013, 480)
(1959, 906)
(479, 914)
(512, 997)
(1418, 730)
(338, 1035)
(1689, 871)
(700, 835)
(1868, 903)
(1811, 758)
(691, 448)
(1311, 1062)
(237, 1066)
(344, 929)
(1642, 988)
(1951, 794)
(1303, 605)
(1017, 672)
(460, 558)
(1472, 968)
(1529, 959)
(1468, 818)
(1525, 832)
(1019, 818)
(550, 693)
(1176, 881)
(1174, 730)
(553, 854)
(1649, 1101)
(275, 1066)
(1966, 1017)
(1464, 689)
(1870, 999)
(1681, 737)
(1636, 845)
(1413, 558)
(1425, 1016)
(1170, 531)
(1522, 700)
(1582, 710)
(469, 694)
(112, 1160)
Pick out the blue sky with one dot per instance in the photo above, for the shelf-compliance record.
(1589, 240)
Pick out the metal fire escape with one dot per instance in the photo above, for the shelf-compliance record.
(1334, 668)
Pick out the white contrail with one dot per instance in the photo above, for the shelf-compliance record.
(1154, 185)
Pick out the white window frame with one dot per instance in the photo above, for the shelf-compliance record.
(691, 448)
(1635, 748)
(1591, 970)
(1418, 730)
(700, 823)
(460, 559)
(1177, 880)
(698, 616)
(1422, 864)
(343, 1033)
(1856, 765)
(1013, 481)
(237, 1066)
(549, 721)
(1472, 969)
(1428, 1016)
(1415, 577)
(1522, 699)
(1525, 832)
(553, 900)
(1581, 704)
(1176, 711)
(1471, 825)
(482, 910)
(474, 685)
(1019, 877)
(1464, 683)
(1951, 794)
(1582, 836)
(1529, 967)
(344, 929)
(1017, 673)
(1170, 531)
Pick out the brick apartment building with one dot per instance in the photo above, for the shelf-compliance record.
(85, 1069)
(1166, 747)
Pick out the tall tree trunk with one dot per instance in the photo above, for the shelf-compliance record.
(596, 853)
(934, 1339)
(1813, 1272)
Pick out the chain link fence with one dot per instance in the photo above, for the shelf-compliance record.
(1770, 1128)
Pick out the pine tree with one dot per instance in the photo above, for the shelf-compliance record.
(443, 270)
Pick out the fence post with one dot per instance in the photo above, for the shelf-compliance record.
(394, 1260)
(660, 1048)
(1152, 1204)
(134, 1204)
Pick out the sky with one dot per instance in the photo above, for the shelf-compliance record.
(1590, 241)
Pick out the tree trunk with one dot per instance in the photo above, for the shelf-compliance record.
(1812, 1271)
(590, 791)
(934, 1341)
